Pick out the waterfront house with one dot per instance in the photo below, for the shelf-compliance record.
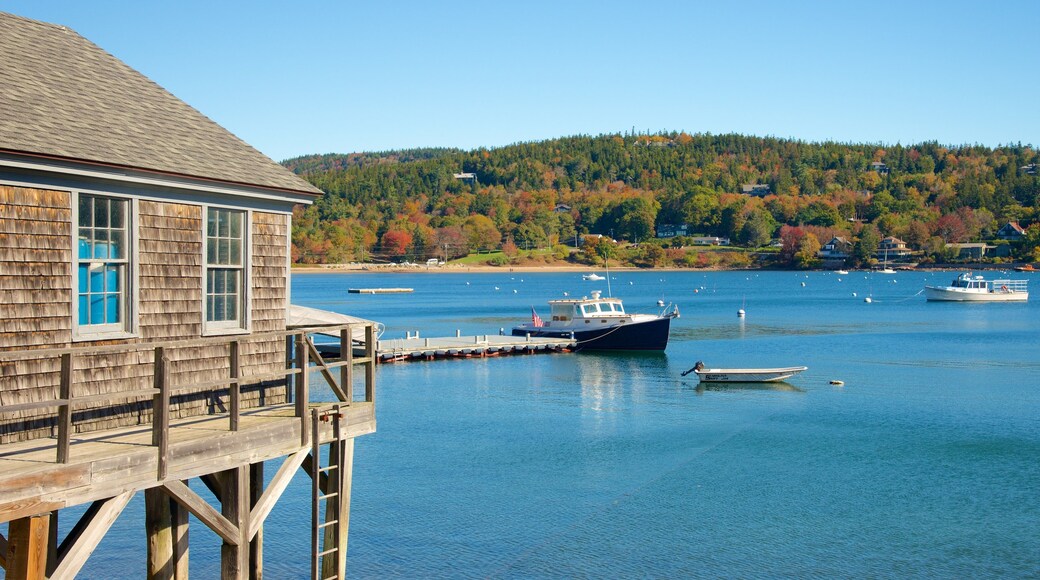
(892, 248)
(1011, 232)
(974, 251)
(709, 241)
(838, 248)
(879, 167)
(144, 278)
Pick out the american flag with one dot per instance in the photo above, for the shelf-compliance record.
(535, 319)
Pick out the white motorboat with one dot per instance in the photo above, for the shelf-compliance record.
(599, 323)
(842, 272)
(766, 375)
(593, 277)
(966, 288)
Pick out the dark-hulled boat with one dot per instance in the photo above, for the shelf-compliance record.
(599, 323)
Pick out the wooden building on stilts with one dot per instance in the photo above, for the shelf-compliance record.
(144, 288)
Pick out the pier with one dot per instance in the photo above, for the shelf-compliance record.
(379, 290)
(479, 346)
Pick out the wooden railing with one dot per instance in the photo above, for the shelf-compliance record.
(307, 358)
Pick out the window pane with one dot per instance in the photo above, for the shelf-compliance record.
(232, 282)
(236, 224)
(232, 308)
(117, 244)
(218, 308)
(209, 308)
(211, 251)
(97, 279)
(100, 243)
(236, 252)
(84, 243)
(223, 249)
(97, 308)
(83, 310)
(219, 282)
(86, 214)
(113, 279)
(84, 274)
(211, 223)
(100, 213)
(112, 308)
(118, 213)
(222, 223)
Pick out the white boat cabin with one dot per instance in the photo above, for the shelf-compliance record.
(565, 311)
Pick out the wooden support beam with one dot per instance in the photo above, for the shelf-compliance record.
(256, 538)
(3, 552)
(166, 523)
(87, 534)
(202, 510)
(27, 548)
(265, 502)
(179, 522)
(212, 481)
(234, 505)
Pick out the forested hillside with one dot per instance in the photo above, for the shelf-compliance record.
(418, 203)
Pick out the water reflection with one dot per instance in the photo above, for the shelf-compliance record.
(723, 387)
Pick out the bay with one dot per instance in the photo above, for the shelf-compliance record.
(591, 464)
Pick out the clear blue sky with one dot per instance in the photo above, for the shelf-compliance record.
(301, 77)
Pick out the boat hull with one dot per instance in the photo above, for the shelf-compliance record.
(747, 375)
(648, 335)
(945, 294)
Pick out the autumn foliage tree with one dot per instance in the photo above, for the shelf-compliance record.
(396, 242)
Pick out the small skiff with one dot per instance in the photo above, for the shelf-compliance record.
(707, 375)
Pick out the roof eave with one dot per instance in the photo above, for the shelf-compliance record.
(95, 169)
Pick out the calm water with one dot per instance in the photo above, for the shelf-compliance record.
(926, 463)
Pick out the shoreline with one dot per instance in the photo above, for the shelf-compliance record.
(484, 269)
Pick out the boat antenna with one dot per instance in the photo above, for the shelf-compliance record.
(606, 266)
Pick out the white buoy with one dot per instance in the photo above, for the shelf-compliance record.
(839, 279)
(853, 294)
(695, 290)
(867, 300)
(803, 283)
(514, 291)
(740, 313)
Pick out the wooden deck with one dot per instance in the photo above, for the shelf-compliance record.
(226, 449)
(108, 463)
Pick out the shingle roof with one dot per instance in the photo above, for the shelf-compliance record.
(63, 96)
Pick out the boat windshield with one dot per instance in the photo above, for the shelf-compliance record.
(594, 308)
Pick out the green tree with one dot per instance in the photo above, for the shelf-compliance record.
(866, 245)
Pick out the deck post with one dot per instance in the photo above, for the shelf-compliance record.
(370, 366)
(346, 353)
(65, 410)
(302, 395)
(27, 548)
(234, 389)
(161, 410)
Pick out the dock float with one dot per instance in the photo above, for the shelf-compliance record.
(379, 290)
(480, 346)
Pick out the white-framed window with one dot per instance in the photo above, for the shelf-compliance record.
(225, 303)
(102, 267)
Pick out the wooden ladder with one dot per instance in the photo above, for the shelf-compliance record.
(328, 528)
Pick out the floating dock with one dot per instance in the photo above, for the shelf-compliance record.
(480, 346)
(379, 290)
